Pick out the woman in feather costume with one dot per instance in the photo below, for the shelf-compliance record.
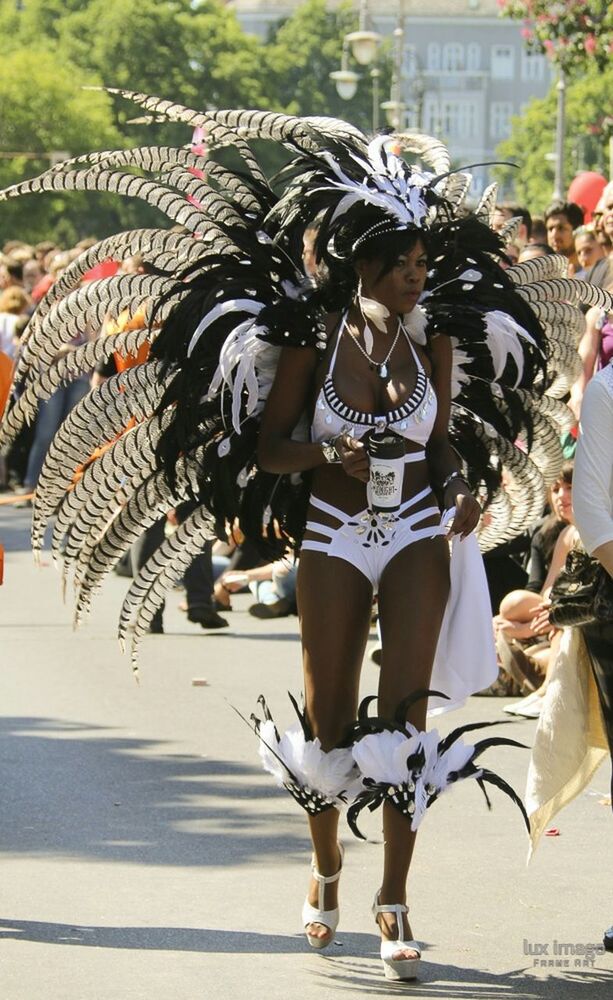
(260, 400)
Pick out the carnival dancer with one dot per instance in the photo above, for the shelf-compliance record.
(355, 416)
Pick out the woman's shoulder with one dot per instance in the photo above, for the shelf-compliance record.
(568, 537)
(439, 345)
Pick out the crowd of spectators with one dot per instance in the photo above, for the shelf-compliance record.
(522, 574)
(519, 600)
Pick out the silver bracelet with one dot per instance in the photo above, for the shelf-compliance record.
(330, 450)
(450, 479)
(335, 441)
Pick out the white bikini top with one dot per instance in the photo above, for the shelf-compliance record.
(413, 420)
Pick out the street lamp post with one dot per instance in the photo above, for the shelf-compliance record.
(363, 45)
(375, 75)
(345, 79)
(558, 186)
(395, 107)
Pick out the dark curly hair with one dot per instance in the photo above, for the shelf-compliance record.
(339, 279)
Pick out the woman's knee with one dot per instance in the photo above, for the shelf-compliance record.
(329, 715)
(516, 603)
(397, 684)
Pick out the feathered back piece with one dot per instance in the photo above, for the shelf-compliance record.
(224, 294)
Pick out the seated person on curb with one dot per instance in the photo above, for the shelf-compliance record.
(273, 585)
(523, 631)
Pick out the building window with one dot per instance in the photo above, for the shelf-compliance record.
(473, 57)
(500, 119)
(412, 118)
(410, 61)
(455, 119)
(532, 66)
(503, 62)
(453, 57)
(432, 123)
(434, 56)
(477, 185)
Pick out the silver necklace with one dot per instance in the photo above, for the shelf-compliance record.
(380, 367)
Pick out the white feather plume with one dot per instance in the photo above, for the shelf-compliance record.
(382, 758)
(374, 311)
(415, 323)
(458, 376)
(246, 362)
(503, 339)
(328, 773)
(232, 305)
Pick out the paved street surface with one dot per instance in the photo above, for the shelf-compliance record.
(147, 857)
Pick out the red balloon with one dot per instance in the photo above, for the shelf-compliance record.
(585, 190)
(105, 269)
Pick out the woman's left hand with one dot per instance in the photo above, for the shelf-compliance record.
(468, 510)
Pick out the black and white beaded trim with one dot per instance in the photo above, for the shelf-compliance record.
(312, 801)
(413, 403)
(380, 229)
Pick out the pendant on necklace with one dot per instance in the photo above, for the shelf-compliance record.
(382, 370)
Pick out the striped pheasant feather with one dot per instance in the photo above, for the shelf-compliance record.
(104, 481)
(148, 497)
(100, 416)
(487, 204)
(164, 199)
(432, 151)
(166, 565)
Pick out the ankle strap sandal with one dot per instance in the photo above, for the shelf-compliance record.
(317, 914)
(396, 968)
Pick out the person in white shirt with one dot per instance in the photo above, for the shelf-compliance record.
(593, 507)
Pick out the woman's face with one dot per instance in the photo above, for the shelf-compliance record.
(562, 500)
(401, 287)
(587, 249)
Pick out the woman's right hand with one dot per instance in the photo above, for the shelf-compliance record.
(540, 624)
(353, 457)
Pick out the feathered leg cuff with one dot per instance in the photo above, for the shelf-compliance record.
(410, 769)
(318, 780)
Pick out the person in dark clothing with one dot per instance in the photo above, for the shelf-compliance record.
(505, 568)
(198, 576)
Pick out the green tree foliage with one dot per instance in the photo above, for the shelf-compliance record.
(191, 51)
(196, 54)
(44, 110)
(533, 137)
(302, 53)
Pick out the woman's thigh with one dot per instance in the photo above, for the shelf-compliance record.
(413, 594)
(334, 607)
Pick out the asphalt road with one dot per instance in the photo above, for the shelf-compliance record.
(146, 857)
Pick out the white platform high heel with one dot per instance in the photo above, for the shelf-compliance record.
(396, 968)
(317, 914)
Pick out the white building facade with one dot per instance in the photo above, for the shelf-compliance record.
(466, 71)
